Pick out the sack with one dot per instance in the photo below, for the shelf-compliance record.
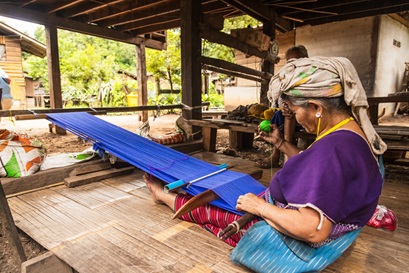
(20, 154)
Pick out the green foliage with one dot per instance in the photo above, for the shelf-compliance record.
(166, 64)
(216, 100)
(89, 67)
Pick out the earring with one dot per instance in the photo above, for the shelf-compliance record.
(318, 115)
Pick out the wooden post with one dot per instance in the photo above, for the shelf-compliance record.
(267, 67)
(10, 229)
(54, 74)
(191, 49)
(142, 80)
(53, 64)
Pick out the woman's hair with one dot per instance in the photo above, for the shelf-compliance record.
(336, 104)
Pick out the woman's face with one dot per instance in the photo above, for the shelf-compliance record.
(305, 116)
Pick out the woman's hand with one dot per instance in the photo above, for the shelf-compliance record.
(251, 203)
(287, 113)
(273, 137)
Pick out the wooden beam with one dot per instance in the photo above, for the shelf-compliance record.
(234, 67)
(191, 48)
(137, 13)
(260, 12)
(71, 25)
(6, 220)
(86, 7)
(231, 73)
(45, 263)
(216, 36)
(96, 111)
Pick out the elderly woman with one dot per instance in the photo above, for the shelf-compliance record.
(318, 202)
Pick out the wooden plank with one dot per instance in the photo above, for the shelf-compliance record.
(80, 170)
(7, 222)
(74, 181)
(398, 145)
(41, 178)
(45, 263)
(402, 161)
(392, 130)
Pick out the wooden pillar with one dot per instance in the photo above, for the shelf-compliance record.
(53, 64)
(191, 48)
(54, 74)
(267, 66)
(9, 228)
(142, 80)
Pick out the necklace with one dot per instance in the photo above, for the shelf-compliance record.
(333, 128)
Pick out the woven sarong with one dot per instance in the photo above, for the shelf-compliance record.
(263, 249)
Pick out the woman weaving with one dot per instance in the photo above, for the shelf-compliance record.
(318, 202)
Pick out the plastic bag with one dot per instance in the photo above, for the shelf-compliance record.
(383, 218)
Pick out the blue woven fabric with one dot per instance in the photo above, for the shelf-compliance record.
(263, 249)
(162, 162)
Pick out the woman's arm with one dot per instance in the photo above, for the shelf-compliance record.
(301, 224)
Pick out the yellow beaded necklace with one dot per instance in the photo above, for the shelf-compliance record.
(332, 129)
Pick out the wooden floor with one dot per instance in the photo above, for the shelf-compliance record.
(113, 226)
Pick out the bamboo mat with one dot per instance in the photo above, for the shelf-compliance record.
(114, 226)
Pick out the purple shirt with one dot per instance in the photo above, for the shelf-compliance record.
(338, 175)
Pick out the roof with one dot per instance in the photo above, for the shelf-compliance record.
(144, 21)
(28, 44)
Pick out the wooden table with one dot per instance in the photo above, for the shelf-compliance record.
(241, 134)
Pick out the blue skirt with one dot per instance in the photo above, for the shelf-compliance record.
(263, 249)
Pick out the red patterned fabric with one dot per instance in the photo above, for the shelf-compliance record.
(212, 219)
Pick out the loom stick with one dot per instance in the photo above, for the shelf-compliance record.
(234, 227)
(196, 201)
(180, 183)
(205, 198)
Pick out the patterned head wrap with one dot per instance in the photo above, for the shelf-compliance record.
(326, 77)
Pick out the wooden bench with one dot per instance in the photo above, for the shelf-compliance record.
(241, 134)
(375, 101)
(213, 114)
(397, 137)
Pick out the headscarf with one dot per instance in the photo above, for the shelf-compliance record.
(326, 77)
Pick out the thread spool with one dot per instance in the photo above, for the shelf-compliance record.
(265, 126)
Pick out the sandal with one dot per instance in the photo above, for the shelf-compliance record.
(266, 164)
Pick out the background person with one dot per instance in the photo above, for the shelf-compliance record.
(283, 119)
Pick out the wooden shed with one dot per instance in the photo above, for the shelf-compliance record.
(12, 44)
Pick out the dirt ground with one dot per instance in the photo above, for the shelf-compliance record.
(70, 143)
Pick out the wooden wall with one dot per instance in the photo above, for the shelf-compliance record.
(14, 68)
